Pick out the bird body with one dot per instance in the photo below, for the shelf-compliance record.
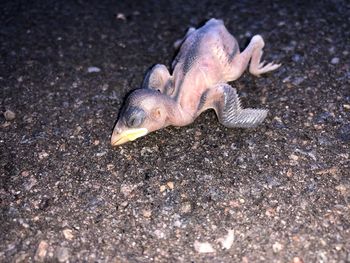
(208, 58)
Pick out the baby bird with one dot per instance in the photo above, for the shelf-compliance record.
(208, 58)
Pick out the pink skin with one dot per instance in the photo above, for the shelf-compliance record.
(212, 66)
(161, 111)
(208, 58)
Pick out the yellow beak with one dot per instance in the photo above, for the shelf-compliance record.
(128, 135)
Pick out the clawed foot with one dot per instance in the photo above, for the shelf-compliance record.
(256, 67)
(262, 68)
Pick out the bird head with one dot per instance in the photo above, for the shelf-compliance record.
(144, 111)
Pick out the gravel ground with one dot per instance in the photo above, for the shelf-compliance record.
(201, 193)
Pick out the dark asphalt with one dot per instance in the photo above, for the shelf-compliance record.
(282, 189)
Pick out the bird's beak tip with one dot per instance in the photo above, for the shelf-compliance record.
(128, 135)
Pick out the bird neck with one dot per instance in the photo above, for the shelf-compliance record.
(176, 115)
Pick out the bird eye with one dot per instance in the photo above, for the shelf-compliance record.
(135, 117)
(134, 121)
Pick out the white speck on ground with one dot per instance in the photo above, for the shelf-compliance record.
(93, 69)
(227, 241)
(41, 251)
(159, 234)
(121, 16)
(203, 247)
(335, 60)
(277, 247)
(100, 154)
(68, 234)
(43, 155)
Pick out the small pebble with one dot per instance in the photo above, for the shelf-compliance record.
(342, 189)
(43, 155)
(25, 173)
(105, 87)
(298, 80)
(124, 204)
(68, 234)
(21, 257)
(335, 60)
(170, 185)
(234, 203)
(277, 247)
(100, 154)
(177, 223)
(338, 247)
(121, 16)
(110, 167)
(297, 260)
(331, 50)
(62, 254)
(62, 147)
(227, 241)
(286, 79)
(186, 208)
(145, 151)
(197, 134)
(126, 189)
(77, 130)
(159, 233)
(147, 213)
(294, 157)
(30, 183)
(93, 69)
(41, 251)
(203, 247)
(270, 212)
(296, 58)
(9, 115)
(162, 188)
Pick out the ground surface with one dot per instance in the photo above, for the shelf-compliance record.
(283, 189)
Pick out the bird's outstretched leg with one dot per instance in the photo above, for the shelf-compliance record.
(252, 53)
(225, 101)
(158, 78)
